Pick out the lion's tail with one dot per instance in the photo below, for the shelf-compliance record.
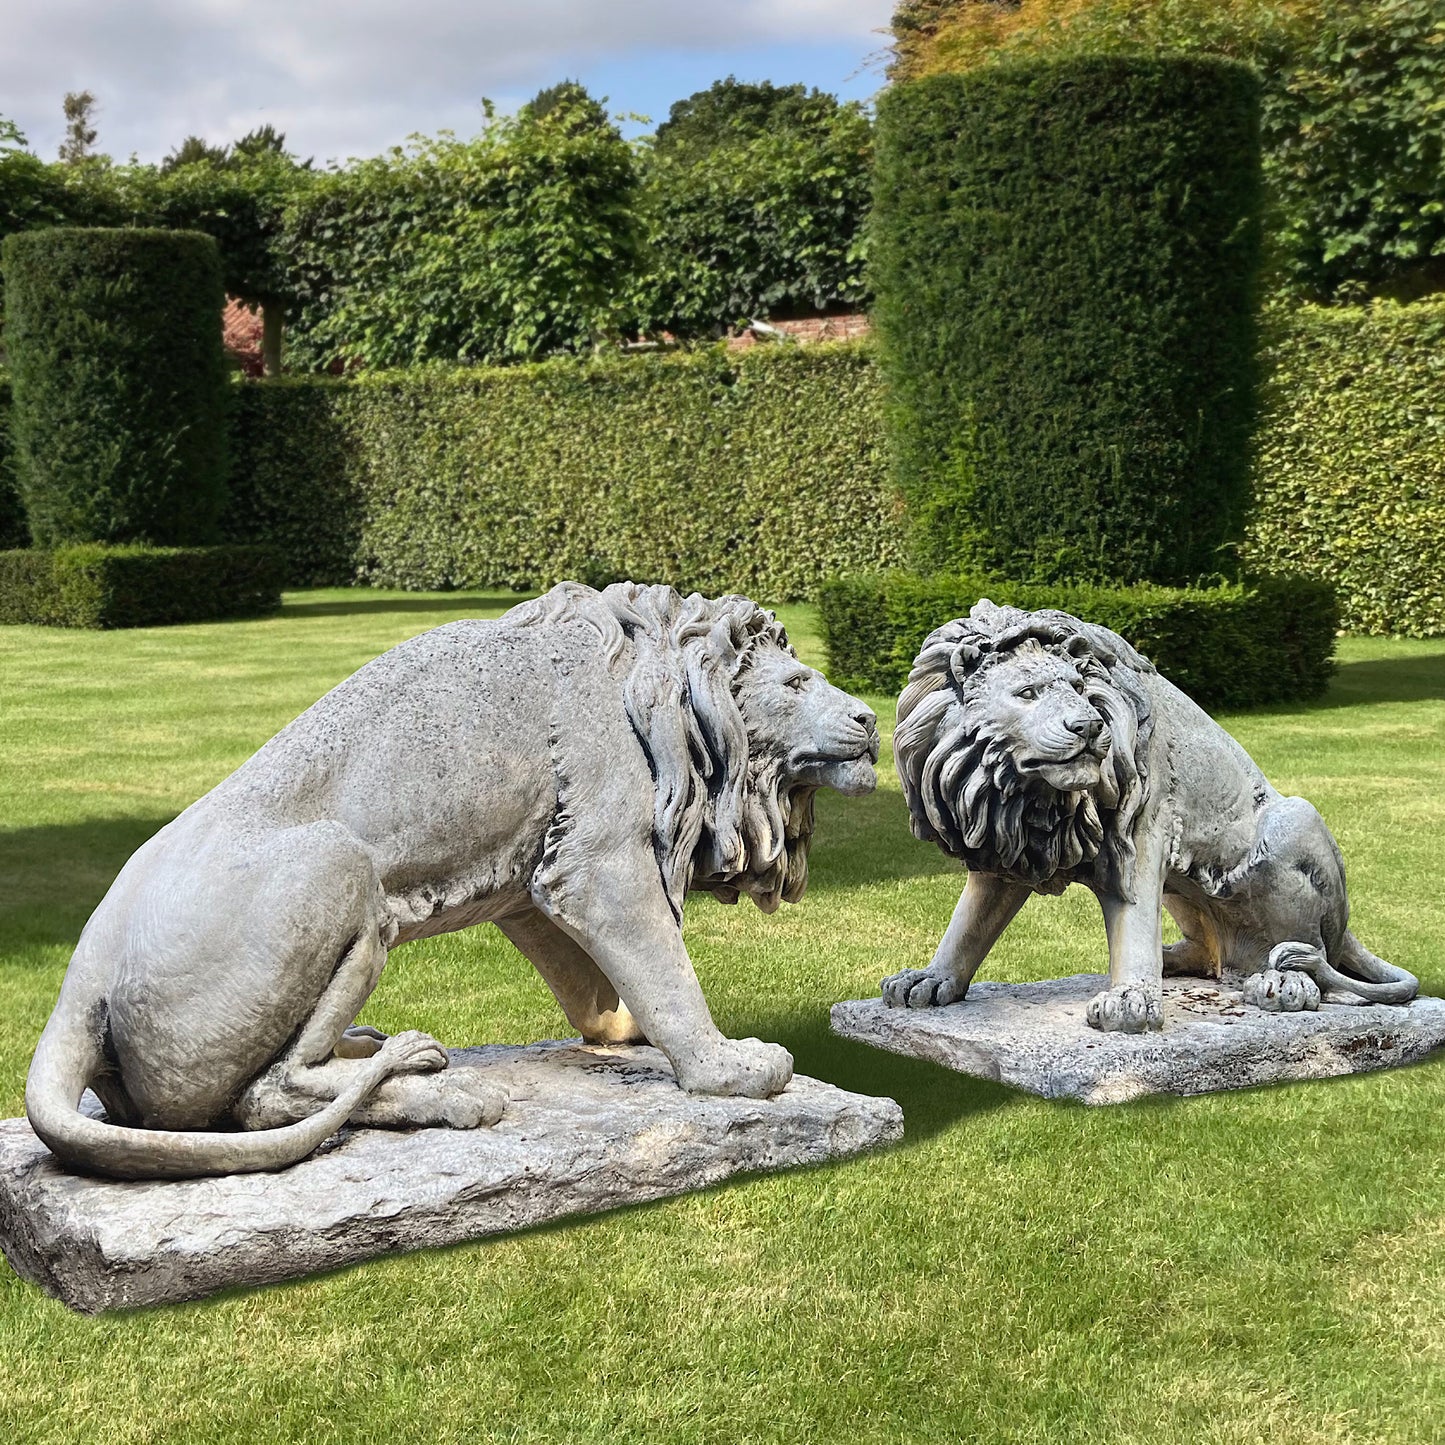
(1369, 978)
(69, 1056)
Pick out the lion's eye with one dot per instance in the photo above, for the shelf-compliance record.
(1027, 694)
(798, 681)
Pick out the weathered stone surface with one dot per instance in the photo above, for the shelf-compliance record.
(1042, 750)
(568, 771)
(587, 1128)
(1035, 1036)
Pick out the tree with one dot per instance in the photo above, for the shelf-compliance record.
(514, 245)
(264, 140)
(754, 203)
(193, 151)
(730, 111)
(572, 99)
(80, 134)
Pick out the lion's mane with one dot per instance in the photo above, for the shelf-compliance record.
(723, 820)
(963, 789)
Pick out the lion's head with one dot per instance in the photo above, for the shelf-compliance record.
(738, 733)
(1022, 746)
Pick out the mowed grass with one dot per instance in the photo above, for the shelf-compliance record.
(1266, 1265)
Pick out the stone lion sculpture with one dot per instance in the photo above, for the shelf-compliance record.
(1043, 751)
(568, 772)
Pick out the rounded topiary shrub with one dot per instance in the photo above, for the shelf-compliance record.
(1064, 255)
(118, 422)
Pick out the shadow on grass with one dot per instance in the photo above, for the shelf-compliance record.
(1387, 679)
(54, 876)
(932, 1099)
(480, 605)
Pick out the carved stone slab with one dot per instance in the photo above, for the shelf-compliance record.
(587, 1129)
(1033, 1036)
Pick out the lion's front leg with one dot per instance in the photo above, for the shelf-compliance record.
(985, 908)
(1134, 1000)
(613, 906)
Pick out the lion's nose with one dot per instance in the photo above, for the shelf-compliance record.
(1087, 726)
(866, 718)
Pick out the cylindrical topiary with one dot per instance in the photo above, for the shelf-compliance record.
(1064, 255)
(119, 379)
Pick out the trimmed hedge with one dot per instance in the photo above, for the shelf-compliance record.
(94, 586)
(1064, 255)
(1228, 646)
(13, 529)
(114, 345)
(1351, 469)
(761, 472)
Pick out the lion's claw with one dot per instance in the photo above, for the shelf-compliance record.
(413, 1052)
(1129, 1009)
(922, 988)
(1279, 990)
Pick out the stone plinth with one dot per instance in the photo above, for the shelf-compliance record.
(587, 1129)
(1033, 1036)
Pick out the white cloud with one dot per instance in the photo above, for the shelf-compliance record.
(351, 78)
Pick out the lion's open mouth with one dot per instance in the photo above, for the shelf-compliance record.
(1034, 763)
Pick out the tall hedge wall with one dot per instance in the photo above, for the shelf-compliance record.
(114, 345)
(1351, 469)
(1064, 256)
(761, 472)
(1350, 478)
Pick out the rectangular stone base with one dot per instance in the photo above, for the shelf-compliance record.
(587, 1129)
(1033, 1036)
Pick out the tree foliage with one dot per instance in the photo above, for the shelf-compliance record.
(754, 203)
(510, 246)
(1353, 111)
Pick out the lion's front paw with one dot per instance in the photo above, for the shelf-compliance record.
(746, 1067)
(1285, 991)
(922, 988)
(1130, 1009)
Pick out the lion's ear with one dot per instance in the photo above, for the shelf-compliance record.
(720, 646)
(966, 658)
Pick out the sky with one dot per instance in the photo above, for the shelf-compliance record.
(351, 79)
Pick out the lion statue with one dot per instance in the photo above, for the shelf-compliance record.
(567, 772)
(1043, 751)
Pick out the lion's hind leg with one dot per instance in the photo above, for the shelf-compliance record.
(1298, 941)
(322, 1062)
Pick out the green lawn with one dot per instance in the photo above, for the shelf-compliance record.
(1264, 1265)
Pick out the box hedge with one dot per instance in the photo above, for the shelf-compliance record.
(118, 415)
(90, 585)
(760, 472)
(1064, 255)
(1351, 469)
(1227, 646)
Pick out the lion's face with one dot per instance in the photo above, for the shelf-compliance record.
(1034, 701)
(817, 735)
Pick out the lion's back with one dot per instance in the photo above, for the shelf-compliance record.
(463, 711)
